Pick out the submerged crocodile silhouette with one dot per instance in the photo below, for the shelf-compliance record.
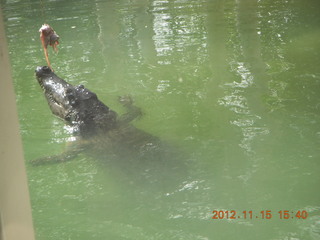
(100, 130)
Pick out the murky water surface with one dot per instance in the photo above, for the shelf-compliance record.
(232, 86)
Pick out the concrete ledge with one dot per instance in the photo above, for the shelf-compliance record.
(15, 211)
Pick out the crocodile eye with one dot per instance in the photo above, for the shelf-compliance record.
(80, 87)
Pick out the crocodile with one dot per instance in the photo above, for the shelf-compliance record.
(100, 130)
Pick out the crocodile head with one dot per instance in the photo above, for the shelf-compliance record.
(77, 105)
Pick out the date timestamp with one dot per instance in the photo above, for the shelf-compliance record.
(264, 214)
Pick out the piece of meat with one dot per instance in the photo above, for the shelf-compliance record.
(48, 37)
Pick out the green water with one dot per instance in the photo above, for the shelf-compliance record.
(234, 85)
